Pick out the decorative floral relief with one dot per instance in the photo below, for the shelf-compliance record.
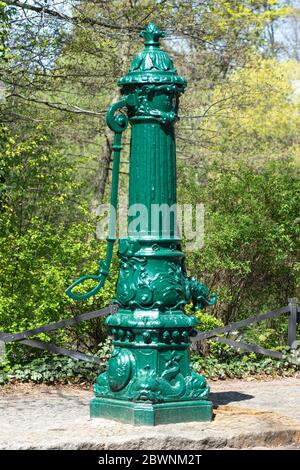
(147, 386)
(149, 60)
(120, 368)
(140, 285)
(145, 284)
(142, 102)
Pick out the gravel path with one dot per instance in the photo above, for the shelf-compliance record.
(247, 414)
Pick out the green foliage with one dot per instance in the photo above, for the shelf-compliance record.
(51, 369)
(256, 113)
(56, 369)
(235, 366)
(5, 17)
(271, 334)
(207, 322)
(251, 250)
(238, 151)
(45, 242)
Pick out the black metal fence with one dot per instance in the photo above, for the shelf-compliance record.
(292, 310)
(23, 335)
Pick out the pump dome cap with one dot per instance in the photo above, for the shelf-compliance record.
(152, 65)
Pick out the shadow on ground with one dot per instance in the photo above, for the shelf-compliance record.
(223, 398)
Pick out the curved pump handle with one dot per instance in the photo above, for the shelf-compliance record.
(101, 277)
(117, 123)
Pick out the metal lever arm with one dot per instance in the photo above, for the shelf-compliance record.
(117, 123)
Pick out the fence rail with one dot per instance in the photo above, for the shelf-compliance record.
(292, 310)
(21, 337)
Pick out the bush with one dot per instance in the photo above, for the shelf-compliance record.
(51, 369)
(46, 241)
(251, 248)
(239, 366)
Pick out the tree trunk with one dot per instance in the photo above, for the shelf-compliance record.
(104, 164)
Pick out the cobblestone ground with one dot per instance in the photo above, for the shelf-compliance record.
(248, 414)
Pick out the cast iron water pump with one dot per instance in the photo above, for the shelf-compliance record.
(149, 379)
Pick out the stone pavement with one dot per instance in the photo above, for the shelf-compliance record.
(248, 414)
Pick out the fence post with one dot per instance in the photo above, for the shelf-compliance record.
(2, 352)
(292, 322)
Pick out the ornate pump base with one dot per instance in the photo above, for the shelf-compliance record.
(149, 380)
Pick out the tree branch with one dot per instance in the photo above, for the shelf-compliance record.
(59, 105)
(61, 16)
